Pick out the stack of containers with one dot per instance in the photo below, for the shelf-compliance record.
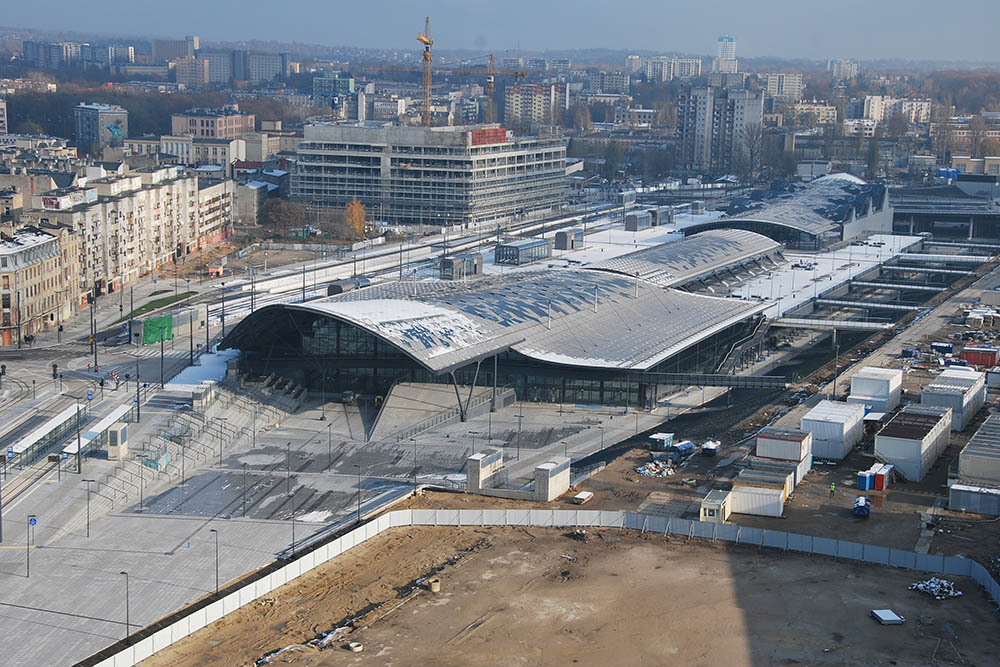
(878, 477)
(786, 448)
(877, 389)
(961, 389)
(835, 427)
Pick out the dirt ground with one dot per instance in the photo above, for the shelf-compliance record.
(537, 596)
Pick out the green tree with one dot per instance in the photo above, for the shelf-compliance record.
(872, 160)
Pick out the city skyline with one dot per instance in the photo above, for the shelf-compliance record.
(890, 29)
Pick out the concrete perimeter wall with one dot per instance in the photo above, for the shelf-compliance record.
(144, 646)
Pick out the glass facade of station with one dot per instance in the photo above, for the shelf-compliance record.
(328, 355)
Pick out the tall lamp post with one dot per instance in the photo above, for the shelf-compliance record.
(89, 482)
(359, 491)
(213, 530)
(128, 624)
(27, 545)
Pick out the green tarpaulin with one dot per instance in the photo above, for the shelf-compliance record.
(157, 329)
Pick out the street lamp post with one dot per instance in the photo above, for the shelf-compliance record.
(329, 446)
(244, 490)
(27, 546)
(359, 491)
(213, 530)
(89, 482)
(288, 469)
(414, 440)
(128, 624)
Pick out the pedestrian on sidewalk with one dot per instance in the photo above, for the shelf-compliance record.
(833, 489)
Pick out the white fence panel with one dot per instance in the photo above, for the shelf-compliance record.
(540, 518)
(470, 517)
(246, 595)
(369, 530)
(749, 535)
(518, 517)
(424, 517)
(850, 550)
(875, 554)
(677, 526)
(929, 563)
(447, 517)
(612, 519)
(179, 630)
(957, 566)
(495, 517)
(824, 546)
(125, 658)
(775, 539)
(230, 603)
(384, 522)
(901, 558)
(142, 649)
(212, 613)
(657, 524)
(727, 532)
(161, 639)
(401, 517)
(564, 517)
(801, 543)
(703, 530)
(588, 517)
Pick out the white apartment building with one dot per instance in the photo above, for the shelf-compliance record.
(842, 70)
(535, 103)
(785, 85)
(130, 225)
(864, 127)
(826, 114)
(388, 107)
(663, 68)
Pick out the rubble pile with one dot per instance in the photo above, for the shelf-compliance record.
(939, 589)
(655, 469)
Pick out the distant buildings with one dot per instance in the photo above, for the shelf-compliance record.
(100, 125)
(784, 85)
(166, 50)
(3, 116)
(859, 127)
(535, 103)
(601, 81)
(662, 68)
(725, 55)
(715, 127)
(633, 64)
(51, 55)
(225, 123)
(191, 72)
(824, 114)
(842, 70)
(881, 108)
(436, 176)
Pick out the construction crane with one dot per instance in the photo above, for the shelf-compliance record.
(425, 39)
(491, 74)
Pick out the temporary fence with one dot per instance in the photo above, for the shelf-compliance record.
(155, 638)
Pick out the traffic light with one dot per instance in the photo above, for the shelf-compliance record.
(3, 369)
(55, 371)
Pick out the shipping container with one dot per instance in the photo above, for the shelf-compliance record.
(980, 356)
(756, 500)
(943, 348)
(661, 441)
(835, 427)
(787, 445)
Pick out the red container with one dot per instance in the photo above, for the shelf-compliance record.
(880, 480)
(980, 356)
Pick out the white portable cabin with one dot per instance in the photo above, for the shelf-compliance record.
(961, 389)
(913, 439)
(836, 427)
(784, 444)
(715, 507)
(761, 501)
(878, 389)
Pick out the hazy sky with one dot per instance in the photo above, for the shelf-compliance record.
(864, 29)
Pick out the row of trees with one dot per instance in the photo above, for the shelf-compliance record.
(282, 217)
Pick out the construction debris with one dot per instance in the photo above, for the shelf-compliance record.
(939, 589)
(655, 469)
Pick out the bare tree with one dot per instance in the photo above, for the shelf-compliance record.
(752, 151)
(977, 132)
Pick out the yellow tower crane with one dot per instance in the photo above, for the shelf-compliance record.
(425, 39)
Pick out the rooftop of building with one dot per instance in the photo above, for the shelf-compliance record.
(783, 434)
(815, 207)
(986, 441)
(910, 425)
(570, 316)
(215, 112)
(95, 106)
(23, 238)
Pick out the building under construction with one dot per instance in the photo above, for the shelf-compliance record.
(430, 175)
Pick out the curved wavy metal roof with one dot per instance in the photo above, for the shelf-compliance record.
(682, 262)
(815, 208)
(575, 317)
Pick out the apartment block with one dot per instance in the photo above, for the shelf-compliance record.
(662, 68)
(438, 175)
(100, 125)
(130, 225)
(713, 125)
(165, 50)
(826, 114)
(191, 72)
(38, 279)
(785, 85)
(535, 103)
(609, 82)
(842, 70)
(225, 123)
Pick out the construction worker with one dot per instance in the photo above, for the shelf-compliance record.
(833, 489)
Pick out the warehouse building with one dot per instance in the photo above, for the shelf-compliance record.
(430, 175)
(961, 389)
(913, 439)
(563, 335)
(977, 486)
(836, 427)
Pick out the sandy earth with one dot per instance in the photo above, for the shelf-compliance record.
(537, 596)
